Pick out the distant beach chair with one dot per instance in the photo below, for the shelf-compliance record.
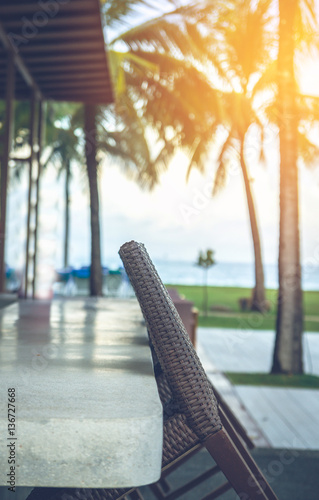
(112, 280)
(188, 313)
(81, 278)
(12, 283)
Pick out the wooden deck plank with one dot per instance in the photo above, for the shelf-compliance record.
(281, 416)
(310, 399)
(294, 412)
(228, 392)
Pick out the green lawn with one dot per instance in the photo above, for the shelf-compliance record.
(266, 379)
(227, 297)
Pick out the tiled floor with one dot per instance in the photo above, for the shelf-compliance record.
(287, 418)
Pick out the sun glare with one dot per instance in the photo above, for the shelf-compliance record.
(309, 77)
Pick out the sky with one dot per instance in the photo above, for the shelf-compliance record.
(177, 219)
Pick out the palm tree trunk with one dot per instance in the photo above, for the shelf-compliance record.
(90, 151)
(288, 346)
(205, 304)
(258, 299)
(67, 213)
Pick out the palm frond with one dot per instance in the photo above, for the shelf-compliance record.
(306, 29)
(308, 151)
(267, 79)
(117, 66)
(308, 108)
(118, 13)
(199, 154)
(221, 170)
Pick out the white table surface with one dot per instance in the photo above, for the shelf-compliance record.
(88, 412)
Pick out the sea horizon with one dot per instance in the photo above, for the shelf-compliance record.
(225, 274)
(231, 274)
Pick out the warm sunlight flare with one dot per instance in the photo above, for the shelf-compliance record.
(309, 76)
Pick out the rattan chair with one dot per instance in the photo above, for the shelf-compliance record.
(191, 415)
(162, 489)
(193, 401)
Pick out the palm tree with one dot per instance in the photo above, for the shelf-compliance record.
(91, 165)
(114, 131)
(155, 40)
(288, 347)
(173, 46)
(63, 152)
(206, 260)
(298, 26)
(239, 26)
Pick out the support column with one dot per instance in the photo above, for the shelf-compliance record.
(37, 196)
(31, 222)
(7, 146)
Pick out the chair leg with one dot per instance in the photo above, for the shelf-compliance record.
(247, 484)
(227, 415)
(247, 457)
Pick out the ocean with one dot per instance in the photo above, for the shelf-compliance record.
(237, 274)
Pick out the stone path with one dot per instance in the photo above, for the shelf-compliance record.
(276, 417)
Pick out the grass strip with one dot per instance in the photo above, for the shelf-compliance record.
(227, 313)
(273, 380)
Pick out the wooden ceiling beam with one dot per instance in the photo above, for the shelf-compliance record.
(90, 84)
(65, 59)
(8, 8)
(70, 76)
(94, 98)
(19, 63)
(57, 34)
(62, 47)
(88, 57)
(63, 68)
(88, 20)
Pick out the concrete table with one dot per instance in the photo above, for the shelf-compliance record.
(87, 410)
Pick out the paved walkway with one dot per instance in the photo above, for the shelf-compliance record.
(276, 417)
(251, 350)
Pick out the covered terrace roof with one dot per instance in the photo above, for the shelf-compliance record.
(58, 47)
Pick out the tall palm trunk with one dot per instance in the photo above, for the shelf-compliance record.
(258, 298)
(90, 151)
(288, 347)
(67, 213)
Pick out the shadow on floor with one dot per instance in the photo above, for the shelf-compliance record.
(293, 475)
(7, 299)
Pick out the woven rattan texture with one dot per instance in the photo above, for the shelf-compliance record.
(178, 438)
(179, 361)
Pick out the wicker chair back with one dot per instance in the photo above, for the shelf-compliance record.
(191, 390)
